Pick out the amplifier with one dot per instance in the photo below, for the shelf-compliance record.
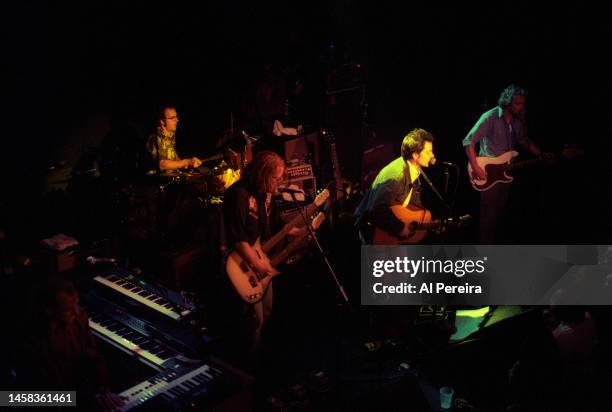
(302, 147)
(302, 176)
(299, 172)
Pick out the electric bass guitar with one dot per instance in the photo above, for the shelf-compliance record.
(498, 168)
(419, 221)
(252, 286)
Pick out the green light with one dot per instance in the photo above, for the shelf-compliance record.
(142, 282)
(474, 313)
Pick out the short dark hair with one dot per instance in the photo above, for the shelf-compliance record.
(414, 142)
(505, 97)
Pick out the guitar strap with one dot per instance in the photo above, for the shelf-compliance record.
(407, 200)
(413, 186)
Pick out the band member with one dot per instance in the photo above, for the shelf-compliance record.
(498, 130)
(247, 210)
(396, 184)
(61, 353)
(161, 145)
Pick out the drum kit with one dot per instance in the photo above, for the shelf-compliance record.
(216, 174)
(213, 181)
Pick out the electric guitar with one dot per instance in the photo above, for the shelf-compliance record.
(419, 221)
(252, 286)
(343, 186)
(498, 168)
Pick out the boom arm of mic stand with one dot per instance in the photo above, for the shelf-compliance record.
(323, 255)
(435, 190)
(446, 206)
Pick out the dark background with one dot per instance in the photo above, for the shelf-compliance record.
(74, 71)
(76, 74)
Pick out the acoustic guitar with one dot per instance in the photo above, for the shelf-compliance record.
(419, 221)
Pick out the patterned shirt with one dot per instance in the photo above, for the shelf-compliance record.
(162, 145)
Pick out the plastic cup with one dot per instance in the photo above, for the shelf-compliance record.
(446, 397)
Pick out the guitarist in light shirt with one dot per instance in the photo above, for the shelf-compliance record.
(498, 131)
(396, 184)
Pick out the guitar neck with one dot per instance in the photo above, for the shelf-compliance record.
(427, 226)
(335, 162)
(287, 251)
(273, 241)
(297, 242)
(523, 163)
(435, 224)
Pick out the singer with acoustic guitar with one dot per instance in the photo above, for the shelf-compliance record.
(391, 212)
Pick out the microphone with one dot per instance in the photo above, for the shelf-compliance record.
(434, 161)
(94, 260)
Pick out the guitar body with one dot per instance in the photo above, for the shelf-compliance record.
(496, 169)
(251, 286)
(413, 217)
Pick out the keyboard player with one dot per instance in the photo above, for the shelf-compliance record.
(61, 353)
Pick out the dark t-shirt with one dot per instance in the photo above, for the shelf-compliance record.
(390, 188)
(245, 214)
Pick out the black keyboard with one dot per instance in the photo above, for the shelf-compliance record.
(171, 304)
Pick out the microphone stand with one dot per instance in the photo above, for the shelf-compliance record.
(323, 255)
(446, 179)
(431, 185)
(447, 208)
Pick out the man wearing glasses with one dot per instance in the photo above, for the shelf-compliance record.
(162, 144)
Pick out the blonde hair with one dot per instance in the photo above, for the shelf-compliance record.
(259, 171)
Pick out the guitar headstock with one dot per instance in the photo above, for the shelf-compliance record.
(317, 221)
(321, 198)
